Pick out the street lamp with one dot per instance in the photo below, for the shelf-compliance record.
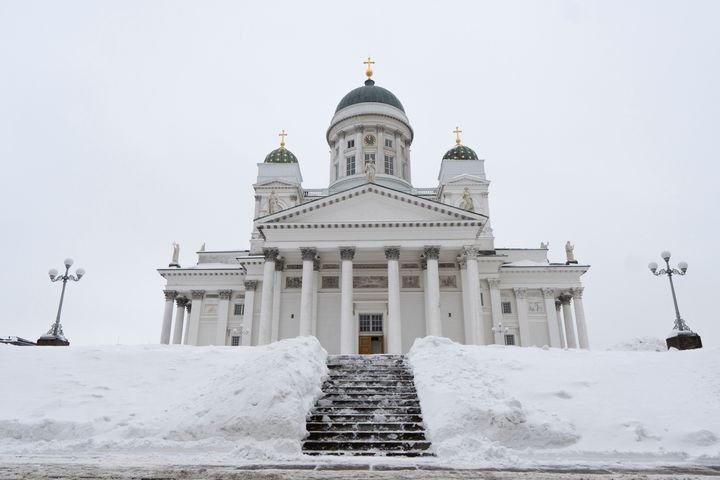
(239, 332)
(55, 335)
(500, 330)
(681, 336)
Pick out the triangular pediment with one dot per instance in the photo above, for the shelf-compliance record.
(275, 183)
(371, 203)
(465, 179)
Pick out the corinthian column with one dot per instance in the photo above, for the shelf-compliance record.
(266, 299)
(167, 316)
(248, 309)
(496, 309)
(394, 331)
(432, 291)
(222, 318)
(194, 323)
(306, 294)
(569, 323)
(551, 318)
(179, 319)
(348, 337)
(580, 317)
(561, 328)
(523, 322)
(473, 283)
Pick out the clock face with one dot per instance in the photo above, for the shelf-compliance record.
(369, 140)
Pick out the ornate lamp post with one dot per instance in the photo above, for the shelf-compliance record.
(500, 331)
(55, 335)
(681, 336)
(240, 332)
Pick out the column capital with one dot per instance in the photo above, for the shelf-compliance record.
(347, 253)
(470, 252)
(565, 299)
(170, 294)
(461, 262)
(225, 294)
(548, 292)
(251, 284)
(197, 294)
(423, 263)
(520, 292)
(188, 307)
(493, 283)
(270, 254)
(577, 292)
(557, 305)
(432, 252)
(392, 253)
(181, 302)
(279, 264)
(308, 253)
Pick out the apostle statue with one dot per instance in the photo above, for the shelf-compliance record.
(544, 245)
(175, 256)
(467, 201)
(202, 247)
(569, 253)
(370, 171)
(273, 203)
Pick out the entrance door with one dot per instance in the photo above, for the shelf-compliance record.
(372, 340)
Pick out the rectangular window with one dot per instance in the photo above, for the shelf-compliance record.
(351, 144)
(482, 300)
(369, 157)
(235, 341)
(350, 165)
(371, 322)
(239, 309)
(506, 307)
(388, 143)
(509, 339)
(389, 165)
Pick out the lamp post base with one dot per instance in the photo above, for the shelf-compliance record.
(684, 342)
(52, 341)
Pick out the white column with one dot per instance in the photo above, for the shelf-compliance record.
(551, 318)
(394, 323)
(306, 293)
(316, 287)
(194, 322)
(348, 336)
(569, 323)
(248, 310)
(580, 318)
(170, 296)
(561, 328)
(277, 289)
(266, 298)
(380, 156)
(398, 155)
(180, 302)
(359, 159)
(523, 322)
(432, 291)
(467, 309)
(222, 317)
(496, 309)
(473, 282)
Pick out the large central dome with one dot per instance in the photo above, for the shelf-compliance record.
(369, 93)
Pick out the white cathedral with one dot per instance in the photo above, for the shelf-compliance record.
(371, 262)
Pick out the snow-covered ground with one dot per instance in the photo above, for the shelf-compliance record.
(198, 404)
(483, 406)
(513, 406)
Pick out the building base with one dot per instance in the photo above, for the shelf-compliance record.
(52, 341)
(684, 342)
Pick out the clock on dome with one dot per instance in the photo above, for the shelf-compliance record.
(369, 140)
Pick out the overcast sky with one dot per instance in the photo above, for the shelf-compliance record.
(127, 125)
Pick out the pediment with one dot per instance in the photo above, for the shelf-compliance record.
(275, 183)
(465, 179)
(372, 203)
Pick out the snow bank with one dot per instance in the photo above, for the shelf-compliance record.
(201, 403)
(642, 344)
(494, 405)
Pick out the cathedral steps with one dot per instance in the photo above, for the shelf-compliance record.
(369, 407)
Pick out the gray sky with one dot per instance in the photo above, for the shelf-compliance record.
(127, 125)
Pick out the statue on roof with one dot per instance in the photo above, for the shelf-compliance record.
(467, 201)
(570, 252)
(273, 203)
(370, 171)
(175, 255)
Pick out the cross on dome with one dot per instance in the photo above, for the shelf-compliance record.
(369, 62)
(457, 133)
(282, 136)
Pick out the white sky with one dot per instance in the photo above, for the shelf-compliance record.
(127, 125)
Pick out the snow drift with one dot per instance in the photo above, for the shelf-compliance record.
(495, 405)
(199, 402)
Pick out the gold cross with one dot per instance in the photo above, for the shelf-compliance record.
(282, 136)
(369, 62)
(457, 133)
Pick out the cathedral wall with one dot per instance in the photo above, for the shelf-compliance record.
(289, 315)
(328, 321)
(413, 313)
(451, 316)
(208, 321)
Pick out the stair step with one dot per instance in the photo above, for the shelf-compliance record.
(338, 436)
(365, 417)
(365, 426)
(369, 396)
(362, 391)
(392, 445)
(367, 410)
(370, 453)
(367, 403)
(347, 382)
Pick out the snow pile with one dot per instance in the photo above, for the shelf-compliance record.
(494, 405)
(201, 403)
(642, 344)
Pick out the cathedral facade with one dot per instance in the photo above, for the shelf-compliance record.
(372, 262)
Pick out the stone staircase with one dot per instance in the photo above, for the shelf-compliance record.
(369, 407)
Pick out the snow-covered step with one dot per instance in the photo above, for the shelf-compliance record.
(370, 407)
(366, 453)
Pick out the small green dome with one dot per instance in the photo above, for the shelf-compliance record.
(460, 152)
(281, 155)
(369, 94)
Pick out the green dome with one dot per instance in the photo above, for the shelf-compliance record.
(281, 155)
(460, 152)
(369, 94)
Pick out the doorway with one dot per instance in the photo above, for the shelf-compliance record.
(372, 339)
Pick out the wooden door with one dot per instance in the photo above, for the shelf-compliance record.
(365, 345)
